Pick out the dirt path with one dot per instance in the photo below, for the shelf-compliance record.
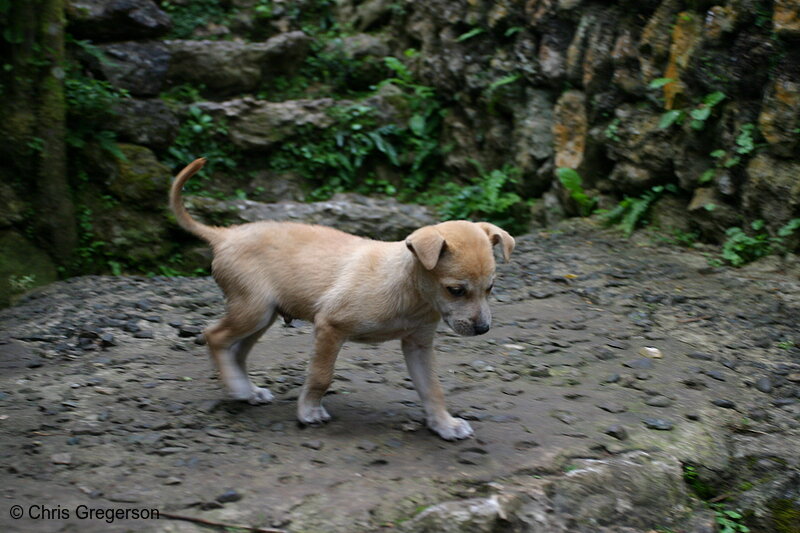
(107, 401)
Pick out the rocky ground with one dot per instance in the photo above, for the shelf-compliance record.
(107, 399)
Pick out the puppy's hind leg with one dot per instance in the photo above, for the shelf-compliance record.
(230, 341)
(327, 343)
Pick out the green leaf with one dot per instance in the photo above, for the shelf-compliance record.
(792, 226)
(511, 78)
(660, 82)
(701, 113)
(417, 125)
(710, 207)
(470, 34)
(570, 179)
(716, 154)
(714, 98)
(707, 176)
(757, 224)
(669, 118)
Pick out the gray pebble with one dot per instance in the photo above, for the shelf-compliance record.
(764, 384)
(658, 401)
(639, 364)
(617, 431)
(658, 423)
(229, 495)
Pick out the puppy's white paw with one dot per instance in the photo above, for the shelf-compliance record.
(260, 396)
(451, 429)
(312, 415)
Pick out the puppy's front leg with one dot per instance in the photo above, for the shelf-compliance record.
(327, 343)
(418, 351)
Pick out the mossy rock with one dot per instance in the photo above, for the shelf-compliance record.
(786, 515)
(140, 177)
(22, 266)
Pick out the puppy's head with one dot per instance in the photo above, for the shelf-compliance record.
(458, 270)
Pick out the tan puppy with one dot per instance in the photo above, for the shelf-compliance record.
(350, 288)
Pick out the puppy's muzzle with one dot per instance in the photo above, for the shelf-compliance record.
(467, 328)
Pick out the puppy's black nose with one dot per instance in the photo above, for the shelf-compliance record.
(480, 329)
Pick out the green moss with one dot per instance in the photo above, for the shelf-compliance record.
(785, 515)
(22, 266)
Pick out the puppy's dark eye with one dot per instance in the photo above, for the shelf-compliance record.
(457, 290)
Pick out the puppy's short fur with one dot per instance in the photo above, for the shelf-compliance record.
(350, 288)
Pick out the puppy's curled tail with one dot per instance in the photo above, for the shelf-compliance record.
(185, 220)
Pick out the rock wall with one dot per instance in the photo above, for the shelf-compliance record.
(541, 84)
(583, 96)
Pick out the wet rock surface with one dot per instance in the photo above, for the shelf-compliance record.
(107, 398)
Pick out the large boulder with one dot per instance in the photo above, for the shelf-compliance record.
(257, 124)
(786, 18)
(361, 55)
(772, 191)
(22, 266)
(643, 151)
(533, 136)
(779, 121)
(139, 67)
(378, 218)
(13, 207)
(147, 122)
(116, 20)
(570, 128)
(230, 67)
(139, 179)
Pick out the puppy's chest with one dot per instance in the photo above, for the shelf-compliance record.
(394, 328)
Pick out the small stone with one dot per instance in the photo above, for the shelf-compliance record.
(107, 339)
(144, 334)
(173, 481)
(189, 331)
(658, 401)
(619, 345)
(764, 384)
(617, 431)
(513, 346)
(230, 495)
(783, 402)
(61, 458)
(612, 407)
(613, 378)
(602, 353)
(715, 374)
(538, 370)
(725, 404)
(639, 364)
(473, 456)
(700, 356)
(565, 417)
(367, 446)
(313, 444)
(658, 423)
(651, 352)
(694, 383)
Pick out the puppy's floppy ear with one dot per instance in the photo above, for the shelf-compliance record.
(498, 235)
(427, 244)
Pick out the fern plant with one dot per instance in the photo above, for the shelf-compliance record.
(573, 183)
(632, 212)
